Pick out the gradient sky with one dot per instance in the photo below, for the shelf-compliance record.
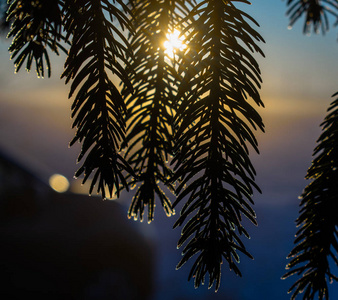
(299, 77)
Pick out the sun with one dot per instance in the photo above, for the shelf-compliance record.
(174, 42)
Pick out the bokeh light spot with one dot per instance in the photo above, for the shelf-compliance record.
(59, 183)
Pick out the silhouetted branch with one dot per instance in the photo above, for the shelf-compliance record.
(98, 107)
(317, 239)
(193, 107)
(36, 26)
(151, 105)
(213, 120)
(316, 12)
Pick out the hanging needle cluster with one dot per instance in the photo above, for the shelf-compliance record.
(180, 127)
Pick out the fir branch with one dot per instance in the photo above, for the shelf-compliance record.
(211, 157)
(317, 13)
(317, 239)
(150, 107)
(98, 107)
(35, 27)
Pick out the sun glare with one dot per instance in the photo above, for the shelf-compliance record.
(174, 43)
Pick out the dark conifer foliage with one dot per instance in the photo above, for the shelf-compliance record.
(35, 28)
(191, 113)
(99, 109)
(317, 239)
(151, 104)
(316, 13)
(214, 122)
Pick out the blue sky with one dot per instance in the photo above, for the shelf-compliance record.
(299, 76)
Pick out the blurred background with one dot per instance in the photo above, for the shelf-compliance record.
(71, 246)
